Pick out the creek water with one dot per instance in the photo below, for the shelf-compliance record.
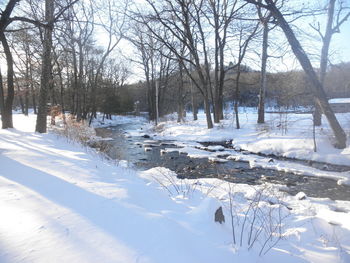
(132, 149)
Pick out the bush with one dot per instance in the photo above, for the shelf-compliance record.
(75, 131)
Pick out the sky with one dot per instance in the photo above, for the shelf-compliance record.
(339, 48)
(341, 43)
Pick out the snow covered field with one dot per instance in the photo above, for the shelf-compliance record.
(60, 202)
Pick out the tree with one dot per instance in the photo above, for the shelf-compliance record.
(316, 85)
(113, 24)
(24, 45)
(7, 103)
(264, 19)
(183, 26)
(46, 67)
(244, 38)
(220, 15)
(334, 22)
(155, 63)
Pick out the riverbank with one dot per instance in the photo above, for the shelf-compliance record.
(284, 134)
(61, 202)
(288, 135)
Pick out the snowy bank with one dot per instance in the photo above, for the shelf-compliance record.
(284, 134)
(61, 203)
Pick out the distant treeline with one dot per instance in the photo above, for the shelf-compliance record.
(284, 89)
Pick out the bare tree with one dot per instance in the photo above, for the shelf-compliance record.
(112, 23)
(264, 20)
(46, 67)
(183, 23)
(316, 85)
(245, 36)
(7, 103)
(154, 62)
(220, 15)
(335, 19)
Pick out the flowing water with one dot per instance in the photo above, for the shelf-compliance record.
(132, 149)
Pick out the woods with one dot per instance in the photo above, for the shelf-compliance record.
(175, 131)
(215, 55)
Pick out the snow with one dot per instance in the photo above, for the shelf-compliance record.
(287, 135)
(284, 135)
(339, 100)
(99, 121)
(61, 202)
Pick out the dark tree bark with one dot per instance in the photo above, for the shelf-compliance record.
(19, 96)
(46, 77)
(8, 102)
(80, 82)
(237, 95)
(316, 85)
(263, 83)
(27, 90)
(2, 101)
(194, 103)
(180, 96)
(32, 88)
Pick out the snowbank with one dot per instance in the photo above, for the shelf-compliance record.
(61, 203)
(288, 135)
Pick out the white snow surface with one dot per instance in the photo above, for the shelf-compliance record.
(339, 100)
(61, 202)
(287, 135)
(99, 121)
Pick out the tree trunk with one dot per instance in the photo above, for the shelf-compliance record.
(80, 82)
(46, 77)
(194, 105)
(26, 94)
(207, 110)
(32, 87)
(180, 99)
(237, 95)
(75, 81)
(262, 92)
(193, 101)
(156, 104)
(317, 115)
(61, 91)
(20, 99)
(217, 106)
(324, 57)
(2, 99)
(8, 102)
(316, 86)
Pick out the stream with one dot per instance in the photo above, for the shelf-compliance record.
(132, 149)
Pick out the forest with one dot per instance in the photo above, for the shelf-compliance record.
(170, 56)
(192, 131)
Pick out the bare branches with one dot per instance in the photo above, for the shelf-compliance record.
(316, 87)
(64, 9)
(5, 15)
(27, 20)
(259, 222)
